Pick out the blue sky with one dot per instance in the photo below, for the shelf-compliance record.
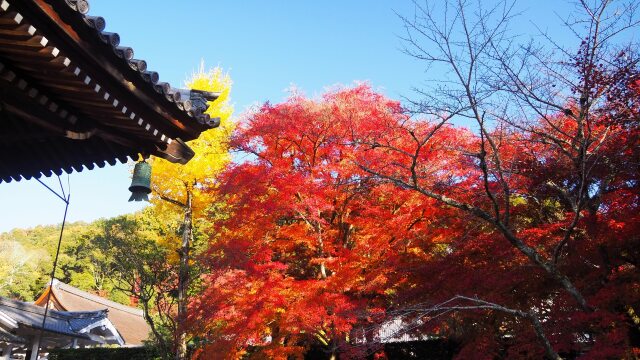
(267, 47)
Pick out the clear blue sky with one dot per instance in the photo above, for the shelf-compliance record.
(266, 46)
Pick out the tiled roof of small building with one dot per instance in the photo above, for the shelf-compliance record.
(61, 322)
(129, 321)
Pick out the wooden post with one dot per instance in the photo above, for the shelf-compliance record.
(35, 346)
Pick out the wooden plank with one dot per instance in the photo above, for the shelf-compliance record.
(36, 120)
(11, 18)
(48, 52)
(29, 43)
(56, 63)
(17, 32)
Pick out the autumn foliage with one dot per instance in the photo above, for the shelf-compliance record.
(340, 218)
(308, 250)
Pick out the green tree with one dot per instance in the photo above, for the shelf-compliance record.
(19, 269)
(140, 269)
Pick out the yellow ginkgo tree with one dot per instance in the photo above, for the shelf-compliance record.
(180, 191)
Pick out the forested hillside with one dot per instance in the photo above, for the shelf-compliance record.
(29, 257)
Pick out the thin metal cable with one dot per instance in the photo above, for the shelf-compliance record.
(53, 191)
(61, 187)
(55, 261)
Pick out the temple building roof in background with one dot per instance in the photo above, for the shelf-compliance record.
(129, 321)
(20, 321)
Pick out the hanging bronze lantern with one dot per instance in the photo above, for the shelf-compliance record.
(141, 182)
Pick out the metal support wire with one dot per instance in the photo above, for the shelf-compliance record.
(66, 199)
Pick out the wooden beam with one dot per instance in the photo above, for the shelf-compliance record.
(48, 125)
(176, 152)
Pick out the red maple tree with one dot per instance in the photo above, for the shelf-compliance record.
(310, 246)
(348, 209)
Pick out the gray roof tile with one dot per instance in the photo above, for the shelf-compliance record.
(62, 322)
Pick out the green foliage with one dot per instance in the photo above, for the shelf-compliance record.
(28, 257)
(19, 269)
(142, 353)
(117, 258)
(31, 251)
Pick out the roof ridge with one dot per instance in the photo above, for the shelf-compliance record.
(25, 306)
(195, 110)
(59, 285)
(51, 313)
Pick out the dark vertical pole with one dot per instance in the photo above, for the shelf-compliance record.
(53, 273)
(183, 278)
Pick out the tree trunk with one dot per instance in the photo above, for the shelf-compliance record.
(183, 279)
(166, 352)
